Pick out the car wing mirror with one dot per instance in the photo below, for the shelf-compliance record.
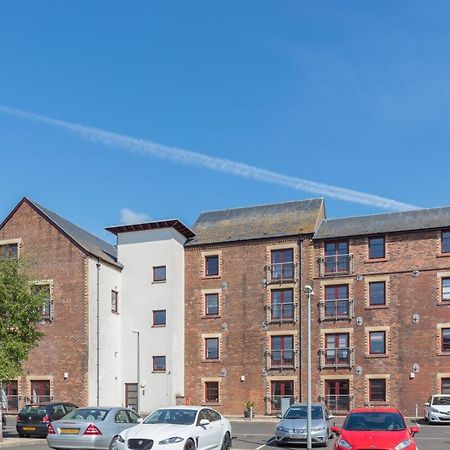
(330, 417)
(336, 430)
(140, 420)
(278, 416)
(427, 404)
(203, 422)
(414, 430)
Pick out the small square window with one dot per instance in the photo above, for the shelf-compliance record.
(212, 348)
(212, 304)
(159, 318)
(212, 265)
(114, 301)
(159, 273)
(8, 251)
(377, 390)
(446, 340)
(376, 248)
(377, 293)
(445, 386)
(446, 289)
(212, 392)
(377, 342)
(159, 364)
(445, 242)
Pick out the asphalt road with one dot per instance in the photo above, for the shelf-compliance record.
(258, 436)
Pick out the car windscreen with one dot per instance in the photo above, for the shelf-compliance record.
(174, 416)
(438, 400)
(34, 410)
(374, 421)
(87, 414)
(299, 412)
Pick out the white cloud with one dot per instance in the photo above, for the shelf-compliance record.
(127, 216)
(189, 157)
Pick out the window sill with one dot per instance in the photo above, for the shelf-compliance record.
(209, 361)
(443, 354)
(375, 356)
(375, 260)
(159, 281)
(211, 404)
(158, 371)
(211, 277)
(379, 402)
(115, 312)
(159, 326)
(443, 303)
(443, 255)
(211, 316)
(376, 307)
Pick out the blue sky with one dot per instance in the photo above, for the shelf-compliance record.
(351, 94)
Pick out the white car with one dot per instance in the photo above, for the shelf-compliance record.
(178, 428)
(437, 409)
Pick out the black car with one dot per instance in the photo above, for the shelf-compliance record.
(33, 420)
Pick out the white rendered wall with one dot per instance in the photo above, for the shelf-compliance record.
(110, 367)
(139, 252)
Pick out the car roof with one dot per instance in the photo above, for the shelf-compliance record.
(306, 404)
(369, 409)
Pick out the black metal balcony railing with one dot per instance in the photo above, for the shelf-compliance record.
(342, 308)
(338, 402)
(10, 403)
(282, 359)
(281, 312)
(336, 358)
(336, 264)
(282, 272)
(275, 401)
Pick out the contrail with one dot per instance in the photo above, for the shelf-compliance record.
(218, 164)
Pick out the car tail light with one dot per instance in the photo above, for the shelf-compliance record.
(51, 430)
(92, 430)
(46, 418)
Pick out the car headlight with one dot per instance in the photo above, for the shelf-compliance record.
(120, 439)
(286, 430)
(171, 440)
(343, 443)
(434, 410)
(318, 429)
(403, 444)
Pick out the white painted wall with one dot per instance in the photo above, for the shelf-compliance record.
(139, 252)
(110, 363)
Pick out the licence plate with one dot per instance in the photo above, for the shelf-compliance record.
(29, 428)
(69, 430)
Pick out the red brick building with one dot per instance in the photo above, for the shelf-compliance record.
(55, 254)
(382, 291)
(380, 316)
(244, 272)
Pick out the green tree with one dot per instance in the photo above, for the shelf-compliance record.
(20, 309)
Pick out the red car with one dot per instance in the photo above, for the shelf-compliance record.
(379, 428)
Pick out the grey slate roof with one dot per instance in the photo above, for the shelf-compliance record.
(420, 219)
(91, 244)
(256, 222)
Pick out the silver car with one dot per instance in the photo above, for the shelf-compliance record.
(292, 427)
(91, 427)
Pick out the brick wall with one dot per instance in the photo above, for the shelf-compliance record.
(244, 342)
(49, 255)
(408, 343)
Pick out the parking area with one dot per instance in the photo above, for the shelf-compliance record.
(259, 436)
(255, 435)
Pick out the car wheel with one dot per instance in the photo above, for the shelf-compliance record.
(112, 445)
(189, 445)
(226, 443)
